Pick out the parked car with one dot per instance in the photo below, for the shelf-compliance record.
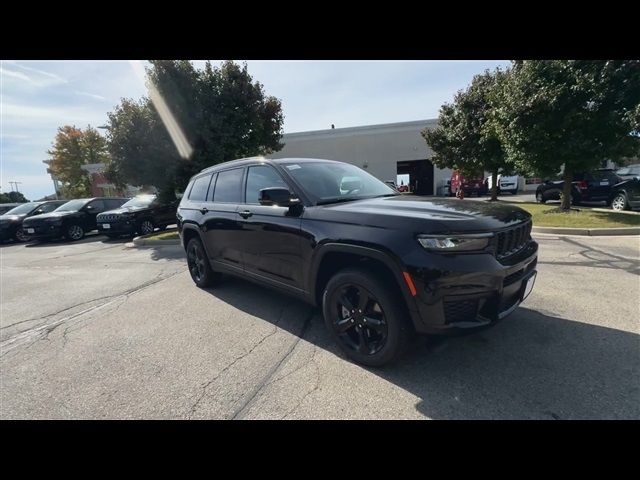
(625, 195)
(11, 221)
(5, 207)
(382, 266)
(593, 186)
(629, 172)
(506, 183)
(141, 215)
(469, 184)
(71, 220)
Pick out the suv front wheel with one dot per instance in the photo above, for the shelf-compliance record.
(365, 318)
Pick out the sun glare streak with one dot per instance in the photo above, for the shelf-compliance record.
(169, 121)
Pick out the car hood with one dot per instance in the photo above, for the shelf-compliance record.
(427, 214)
(12, 218)
(44, 216)
(121, 210)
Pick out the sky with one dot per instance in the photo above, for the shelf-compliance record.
(38, 97)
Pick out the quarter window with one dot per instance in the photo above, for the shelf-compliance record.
(198, 192)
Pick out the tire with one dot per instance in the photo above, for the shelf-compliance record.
(619, 202)
(19, 235)
(363, 344)
(74, 232)
(199, 268)
(540, 197)
(145, 226)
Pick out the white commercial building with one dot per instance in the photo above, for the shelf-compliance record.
(385, 151)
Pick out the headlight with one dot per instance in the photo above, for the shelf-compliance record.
(455, 243)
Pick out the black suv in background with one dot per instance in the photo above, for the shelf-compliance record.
(382, 265)
(626, 195)
(586, 187)
(141, 215)
(71, 220)
(11, 221)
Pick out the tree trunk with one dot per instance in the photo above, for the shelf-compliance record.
(494, 185)
(566, 189)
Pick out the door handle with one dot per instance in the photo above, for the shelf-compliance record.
(204, 210)
(245, 214)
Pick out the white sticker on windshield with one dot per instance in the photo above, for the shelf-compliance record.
(293, 167)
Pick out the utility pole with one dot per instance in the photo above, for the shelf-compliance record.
(15, 185)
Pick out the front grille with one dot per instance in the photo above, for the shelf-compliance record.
(460, 311)
(108, 218)
(513, 240)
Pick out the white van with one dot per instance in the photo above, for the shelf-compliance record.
(505, 183)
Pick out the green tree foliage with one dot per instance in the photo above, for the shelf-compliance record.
(73, 148)
(12, 197)
(464, 138)
(575, 113)
(223, 113)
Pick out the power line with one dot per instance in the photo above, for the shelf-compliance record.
(15, 185)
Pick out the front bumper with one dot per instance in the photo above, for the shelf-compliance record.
(117, 228)
(42, 230)
(467, 292)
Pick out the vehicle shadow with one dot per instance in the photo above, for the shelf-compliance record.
(533, 365)
(89, 238)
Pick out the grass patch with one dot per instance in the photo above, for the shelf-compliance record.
(577, 217)
(168, 235)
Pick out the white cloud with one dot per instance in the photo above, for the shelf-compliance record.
(92, 95)
(40, 78)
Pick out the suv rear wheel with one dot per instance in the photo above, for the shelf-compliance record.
(198, 263)
(365, 318)
(19, 235)
(619, 202)
(145, 227)
(74, 232)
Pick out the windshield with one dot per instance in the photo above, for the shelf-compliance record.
(24, 208)
(140, 201)
(326, 182)
(72, 205)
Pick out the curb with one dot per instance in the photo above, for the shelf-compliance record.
(143, 241)
(590, 232)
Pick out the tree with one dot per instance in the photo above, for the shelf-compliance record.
(12, 197)
(222, 113)
(571, 113)
(464, 138)
(73, 148)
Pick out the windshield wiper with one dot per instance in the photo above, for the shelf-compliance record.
(326, 201)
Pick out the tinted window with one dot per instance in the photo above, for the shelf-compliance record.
(49, 207)
(198, 192)
(229, 186)
(114, 203)
(260, 177)
(98, 205)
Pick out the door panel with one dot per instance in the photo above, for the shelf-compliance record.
(270, 240)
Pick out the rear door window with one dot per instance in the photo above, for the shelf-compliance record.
(98, 205)
(228, 187)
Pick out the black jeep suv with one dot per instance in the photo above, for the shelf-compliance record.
(381, 265)
(11, 221)
(141, 215)
(71, 220)
(586, 187)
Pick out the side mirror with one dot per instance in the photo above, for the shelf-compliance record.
(277, 196)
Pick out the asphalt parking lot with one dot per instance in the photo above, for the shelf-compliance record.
(97, 329)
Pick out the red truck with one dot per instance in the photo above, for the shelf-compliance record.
(468, 184)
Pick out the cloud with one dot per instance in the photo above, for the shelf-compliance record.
(39, 77)
(92, 95)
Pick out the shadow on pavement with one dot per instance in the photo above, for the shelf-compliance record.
(530, 366)
(89, 238)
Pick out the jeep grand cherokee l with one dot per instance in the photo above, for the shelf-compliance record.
(586, 187)
(381, 265)
(11, 222)
(71, 220)
(141, 215)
